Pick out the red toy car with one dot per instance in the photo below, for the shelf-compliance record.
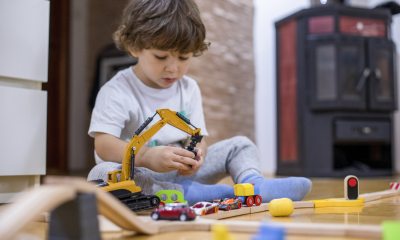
(174, 211)
(229, 203)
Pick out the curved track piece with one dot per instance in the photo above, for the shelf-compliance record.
(108, 205)
(31, 204)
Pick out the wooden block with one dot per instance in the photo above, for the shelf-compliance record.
(338, 210)
(391, 230)
(338, 202)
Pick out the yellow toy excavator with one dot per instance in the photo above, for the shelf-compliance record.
(120, 183)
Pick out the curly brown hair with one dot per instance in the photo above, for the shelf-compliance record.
(173, 25)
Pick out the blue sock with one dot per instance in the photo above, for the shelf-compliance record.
(196, 192)
(294, 188)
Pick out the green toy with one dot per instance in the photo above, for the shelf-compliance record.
(170, 196)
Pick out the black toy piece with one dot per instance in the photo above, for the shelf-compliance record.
(76, 219)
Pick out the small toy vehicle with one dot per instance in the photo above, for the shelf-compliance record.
(174, 211)
(245, 192)
(170, 196)
(229, 203)
(203, 208)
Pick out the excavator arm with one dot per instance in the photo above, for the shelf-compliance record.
(167, 116)
(120, 183)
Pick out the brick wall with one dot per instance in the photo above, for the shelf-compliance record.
(226, 72)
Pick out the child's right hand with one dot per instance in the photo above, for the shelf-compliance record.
(166, 159)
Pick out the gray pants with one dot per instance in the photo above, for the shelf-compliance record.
(236, 157)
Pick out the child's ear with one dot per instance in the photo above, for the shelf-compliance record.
(133, 52)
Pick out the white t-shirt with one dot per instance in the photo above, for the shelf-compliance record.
(125, 102)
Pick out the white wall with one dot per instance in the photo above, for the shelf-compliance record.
(266, 13)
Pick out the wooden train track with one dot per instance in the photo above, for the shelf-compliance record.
(58, 190)
(364, 198)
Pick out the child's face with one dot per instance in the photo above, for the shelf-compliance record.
(160, 69)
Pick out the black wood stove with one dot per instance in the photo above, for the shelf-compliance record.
(336, 92)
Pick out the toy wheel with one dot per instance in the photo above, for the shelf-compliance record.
(155, 216)
(249, 201)
(183, 217)
(155, 201)
(257, 200)
(239, 205)
(228, 208)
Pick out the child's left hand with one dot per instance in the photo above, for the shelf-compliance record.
(194, 168)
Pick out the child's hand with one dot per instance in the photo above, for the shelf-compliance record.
(194, 168)
(167, 158)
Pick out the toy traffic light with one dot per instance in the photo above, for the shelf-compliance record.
(351, 187)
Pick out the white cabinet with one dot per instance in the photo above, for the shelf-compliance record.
(23, 131)
(24, 29)
(24, 43)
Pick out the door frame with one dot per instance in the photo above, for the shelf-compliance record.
(57, 88)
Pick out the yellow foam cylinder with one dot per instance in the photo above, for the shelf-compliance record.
(281, 207)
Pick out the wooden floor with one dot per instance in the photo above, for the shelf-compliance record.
(374, 212)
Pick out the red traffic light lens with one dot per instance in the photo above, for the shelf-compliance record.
(352, 182)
